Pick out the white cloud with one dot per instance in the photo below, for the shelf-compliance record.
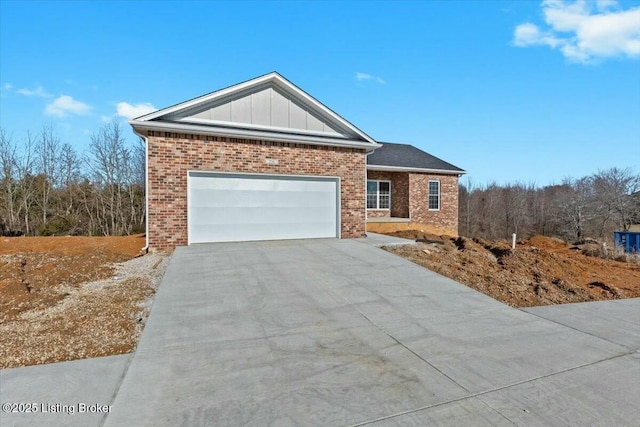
(605, 4)
(130, 111)
(65, 105)
(7, 86)
(529, 34)
(365, 76)
(38, 91)
(584, 31)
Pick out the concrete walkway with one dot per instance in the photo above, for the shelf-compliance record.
(339, 332)
(617, 321)
(62, 394)
(379, 240)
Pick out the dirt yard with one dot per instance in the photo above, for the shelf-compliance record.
(66, 298)
(540, 271)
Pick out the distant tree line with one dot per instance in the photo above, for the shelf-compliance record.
(48, 188)
(590, 207)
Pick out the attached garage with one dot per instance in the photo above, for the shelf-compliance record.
(232, 207)
(260, 160)
(264, 160)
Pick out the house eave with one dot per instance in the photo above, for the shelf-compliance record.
(249, 126)
(204, 98)
(383, 168)
(142, 126)
(275, 78)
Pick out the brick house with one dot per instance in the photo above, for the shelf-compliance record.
(263, 160)
(423, 190)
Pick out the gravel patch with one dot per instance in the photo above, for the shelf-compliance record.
(93, 319)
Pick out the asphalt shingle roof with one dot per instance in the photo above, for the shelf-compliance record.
(407, 156)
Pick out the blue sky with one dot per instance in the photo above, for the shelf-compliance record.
(509, 91)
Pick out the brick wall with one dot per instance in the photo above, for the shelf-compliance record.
(409, 199)
(399, 194)
(378, 213)
(447, 217)
(171, 155)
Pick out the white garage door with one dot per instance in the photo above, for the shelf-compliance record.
(235, 207)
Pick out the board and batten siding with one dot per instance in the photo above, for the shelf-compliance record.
(266, 107)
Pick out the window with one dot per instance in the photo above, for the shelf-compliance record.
(434, 195)
(378, 194)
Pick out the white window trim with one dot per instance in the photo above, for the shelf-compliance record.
(429, 195)
(378, 208)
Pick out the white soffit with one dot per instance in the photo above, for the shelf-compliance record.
(383, 168)
(266, 104)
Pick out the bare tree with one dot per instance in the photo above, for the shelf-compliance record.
(592, 206)
(465, 197)
(612, 192)
(105, 160)
(513, 198)
(140, 179)
(548, 217)
(68, 206)
(485, 205)
(27, 182)
(9, 182)
(576, 206)
(115, 172)
(47, 151)
(69, 171)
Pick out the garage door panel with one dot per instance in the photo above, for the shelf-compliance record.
(229, 233)
(259, 215)
(255, 183)
(225, 208)
(225, 198)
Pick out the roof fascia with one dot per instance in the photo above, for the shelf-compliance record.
(287, 85)
(205, 122)
(274, 77)
(141, 126)
(407, 169)
(205, 98)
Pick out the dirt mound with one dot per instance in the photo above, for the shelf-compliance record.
(540, 271)
(548, 243)
(418, 235)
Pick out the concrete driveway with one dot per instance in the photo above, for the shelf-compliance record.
(339, 332)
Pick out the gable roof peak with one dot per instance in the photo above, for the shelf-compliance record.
(268, 103)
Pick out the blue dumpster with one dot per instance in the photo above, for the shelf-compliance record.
(628, 240)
